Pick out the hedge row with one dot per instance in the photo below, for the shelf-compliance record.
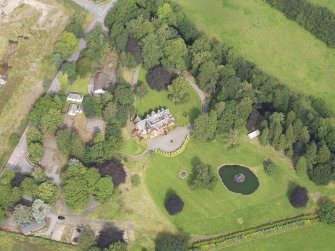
(256, 232)
(175, 153)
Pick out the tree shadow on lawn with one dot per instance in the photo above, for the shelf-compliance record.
(108, 235)
(290, 187)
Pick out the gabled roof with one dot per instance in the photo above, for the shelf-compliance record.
(101, 81)
(75, 97)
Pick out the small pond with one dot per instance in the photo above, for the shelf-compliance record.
(239, 179)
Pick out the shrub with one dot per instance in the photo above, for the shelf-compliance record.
(159, 78)
(327, 212)
(35, 152)
(203, 177)
(135, 180)
(114, 168)
(171, 242)
(34, 135)
(299, 197)
(270, 168)
(14, 139)
(174, 204)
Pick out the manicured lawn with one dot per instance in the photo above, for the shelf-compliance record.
(11, 241)
(183, 113)
(315, 237)
(132, 147)
(266, 37)
(80, 85)
(209, 212)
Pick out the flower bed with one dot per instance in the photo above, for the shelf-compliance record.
(175, 153)
(257, 232)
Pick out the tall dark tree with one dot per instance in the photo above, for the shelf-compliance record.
(299, 197)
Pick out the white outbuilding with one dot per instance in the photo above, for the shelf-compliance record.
(254, 134)
(75, 97)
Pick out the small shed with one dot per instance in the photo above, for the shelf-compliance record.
(74, 109)
(75, 97)
(29, 229)
(254, 134)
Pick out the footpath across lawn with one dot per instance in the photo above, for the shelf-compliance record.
(210, 212)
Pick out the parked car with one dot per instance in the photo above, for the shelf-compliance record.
(61, 217)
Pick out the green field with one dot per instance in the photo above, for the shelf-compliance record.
(15, 242)
(184, 113)
(266, 37)
(207, 212)
(330, 4)
(311, 238)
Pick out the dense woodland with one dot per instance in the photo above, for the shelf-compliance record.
(242, 94)
(316, 19)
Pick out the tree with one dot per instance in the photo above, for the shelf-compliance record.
(89, 106)
(34, 135)
(324, 155)
(270, 167)
(179, 91)
(70, 70)
(301, 166)
(327, 212)
(104, 189)
(84, 66)
(141, 90)
(152, 50)
(35, 152)
(39, 175)
(321, 174)
(171, 242)
(109, 112)
(204, 127)
(264, 138)
(7, 176)
(175, 52)
(9, 195)
(134, 48)
(92, 176)
(203, 177)
(114, 168)
(159, 78)
(86, 239)
(117, 246)
(40, 209)
(78, 147)
(22, 215)
(164, 11)
(52, 120)
(299, 197)
(174, 204)
(66, 44)
(123, 95)
(140, 27)
(47, 192)
(208, 76)
(127, 60)
(64, 140)
(28, 186)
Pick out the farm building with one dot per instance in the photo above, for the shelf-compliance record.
(75, 97)
(101, 83)
(154, 124)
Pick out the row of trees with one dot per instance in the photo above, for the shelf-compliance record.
(79, 182)
(14, 185)
(316, 19)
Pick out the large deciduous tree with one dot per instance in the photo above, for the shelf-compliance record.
(175, 52)
(174, 204)
(204, 127)
(327, 212)
(104, 189)
(159, 78)
(40, 209)
(179, 91)
(66, 44)
(203, 176)
(22, 215)
(299, 197)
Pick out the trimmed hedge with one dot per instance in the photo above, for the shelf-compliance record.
(177, 152)
(256, 232)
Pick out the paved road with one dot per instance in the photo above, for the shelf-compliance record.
(202, 95)
(18, 158)
(99, 11)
